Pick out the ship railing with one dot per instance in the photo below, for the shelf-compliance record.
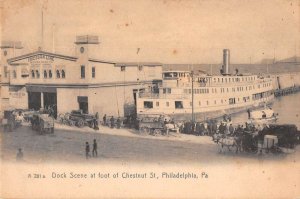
(164, 96)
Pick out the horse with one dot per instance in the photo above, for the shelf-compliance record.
(229, 142)
(171, 127)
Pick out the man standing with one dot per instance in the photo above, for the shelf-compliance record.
(112, 122)
(95, 154)
(97, 119)
(104, 120)
(231, 129)
(19, 155)
(87, 150)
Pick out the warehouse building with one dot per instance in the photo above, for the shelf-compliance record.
(39, 79)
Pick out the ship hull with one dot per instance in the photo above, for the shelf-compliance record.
(203, 116)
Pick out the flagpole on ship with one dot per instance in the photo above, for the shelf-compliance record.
(193, 116)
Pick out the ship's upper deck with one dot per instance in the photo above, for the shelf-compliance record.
(184, 78)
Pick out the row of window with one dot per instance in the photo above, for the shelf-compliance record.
(258, 96)
(233, 79)
(82, 72)
(223, 90)
(179, 104)
(196, 91)
(48, 74)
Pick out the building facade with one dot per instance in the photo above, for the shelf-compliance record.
(41, 79)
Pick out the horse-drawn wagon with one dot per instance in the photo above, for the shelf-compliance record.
(272, 139)
(78, 118)
(155, 124)
(42, 123)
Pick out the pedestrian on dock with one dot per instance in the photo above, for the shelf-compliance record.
(231, 129)
(94, 152)
(87, 150)
(97, 118)
(119, 123)
(104, 120)
(20, 155)
(112, 122)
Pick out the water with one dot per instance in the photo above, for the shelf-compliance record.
(288, 108)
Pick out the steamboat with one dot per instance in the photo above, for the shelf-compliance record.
(200, 96)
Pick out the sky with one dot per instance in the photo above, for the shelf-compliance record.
(167, 31)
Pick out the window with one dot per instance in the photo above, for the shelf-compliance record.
(63, 74)
(191, 103)
(57, 74)
(178, 105)
(167, 104)
(207, 102)
(5, 71)
(82, 70)
(32, 74)
(166, 90)
(199, 103)
(215, 102)
(14, 74)
(123, 68)
(37, 73)
(93, 72)
(231, 100)
(148, 104)
(50, 73)
(45, 74)
(157, 103)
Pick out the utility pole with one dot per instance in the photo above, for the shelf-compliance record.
(42, 42)
(193, 117)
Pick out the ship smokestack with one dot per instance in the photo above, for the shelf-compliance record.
(226, 62)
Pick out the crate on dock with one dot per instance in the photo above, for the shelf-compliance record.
(270, 141)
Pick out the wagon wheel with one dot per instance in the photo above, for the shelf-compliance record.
(71, 123)
(144, 130)
(91, 124)
(156, 132)
(80, 123)
(61, 118)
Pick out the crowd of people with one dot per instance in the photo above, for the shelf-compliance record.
(112, 122)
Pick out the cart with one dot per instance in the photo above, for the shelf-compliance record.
(9, 121)
(42, 123)
(152, 124)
